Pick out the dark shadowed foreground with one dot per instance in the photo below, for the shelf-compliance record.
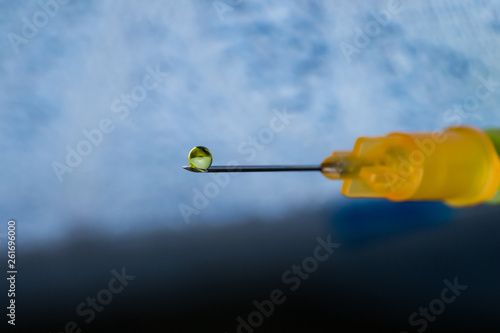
(376, 267)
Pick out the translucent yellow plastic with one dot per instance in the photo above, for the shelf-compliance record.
(494, 135)
(459, 166)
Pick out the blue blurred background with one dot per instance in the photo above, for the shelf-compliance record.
(227, 68)
(101, 101)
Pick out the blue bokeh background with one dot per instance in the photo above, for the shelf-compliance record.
(230, 67)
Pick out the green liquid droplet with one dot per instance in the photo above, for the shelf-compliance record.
(200, 158)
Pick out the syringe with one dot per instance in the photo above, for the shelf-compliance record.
(458, 165)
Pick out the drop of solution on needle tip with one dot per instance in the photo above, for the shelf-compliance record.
(200, 158)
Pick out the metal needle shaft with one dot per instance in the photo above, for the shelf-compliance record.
(257, 168)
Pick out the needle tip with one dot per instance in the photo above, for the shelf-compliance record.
(188, 168)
